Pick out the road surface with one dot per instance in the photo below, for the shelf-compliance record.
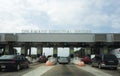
(66, 70)
(61, 70)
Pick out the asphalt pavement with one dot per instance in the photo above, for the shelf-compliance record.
(61, 70)
(66, 70)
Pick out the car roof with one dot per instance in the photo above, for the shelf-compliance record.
(7, 56)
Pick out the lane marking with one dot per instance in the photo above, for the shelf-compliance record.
(38, 71)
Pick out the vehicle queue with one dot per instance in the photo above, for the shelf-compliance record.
(18, 62)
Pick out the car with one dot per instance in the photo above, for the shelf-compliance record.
(42, 59)
(86, 59)
(63, 60)
(53, 60)
(105, 61)
(16, 62)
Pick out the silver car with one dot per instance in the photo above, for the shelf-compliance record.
(53, 60)
(63, 60)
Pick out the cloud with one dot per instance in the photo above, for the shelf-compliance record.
(14, 27)
(116, 22)
(59, 14)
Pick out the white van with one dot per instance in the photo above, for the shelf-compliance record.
(116, 52)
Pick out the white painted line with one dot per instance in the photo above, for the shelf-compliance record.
(94, 71)
(39, 71)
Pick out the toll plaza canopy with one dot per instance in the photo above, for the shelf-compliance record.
(93, 43)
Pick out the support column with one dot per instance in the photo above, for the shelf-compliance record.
(55, 51)
(39, 51)
(71, 52)
(6, 49)
(23, 49)
(88, 50)
(101, 50)
(29, 51)
(105, 51)
(9, 49)
(14, 51)
(92, 50)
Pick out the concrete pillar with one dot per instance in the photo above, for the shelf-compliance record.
(10, 47)
(55, 50)
(92, 50)
(105, 51)
(24, 50)
(71, 50)
(6, 51)
(29, 51)
(15, 51)
(101, 50)
(39, 51)
(88, 50)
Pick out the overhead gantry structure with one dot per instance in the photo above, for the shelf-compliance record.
(92, 42)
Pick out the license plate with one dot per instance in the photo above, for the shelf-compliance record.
(3, 66)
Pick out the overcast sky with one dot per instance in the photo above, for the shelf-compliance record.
(99, 16)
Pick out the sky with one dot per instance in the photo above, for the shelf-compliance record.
(98, 16)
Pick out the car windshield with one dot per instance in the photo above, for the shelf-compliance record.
(7, 57)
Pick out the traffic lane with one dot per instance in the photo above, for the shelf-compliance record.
(20, 72)
(109, 71)
(66, 70)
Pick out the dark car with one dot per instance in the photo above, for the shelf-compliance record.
(42, 59)
(16, 62)
(86, 59)
(105, 61)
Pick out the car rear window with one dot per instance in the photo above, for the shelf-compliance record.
(63, 58)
